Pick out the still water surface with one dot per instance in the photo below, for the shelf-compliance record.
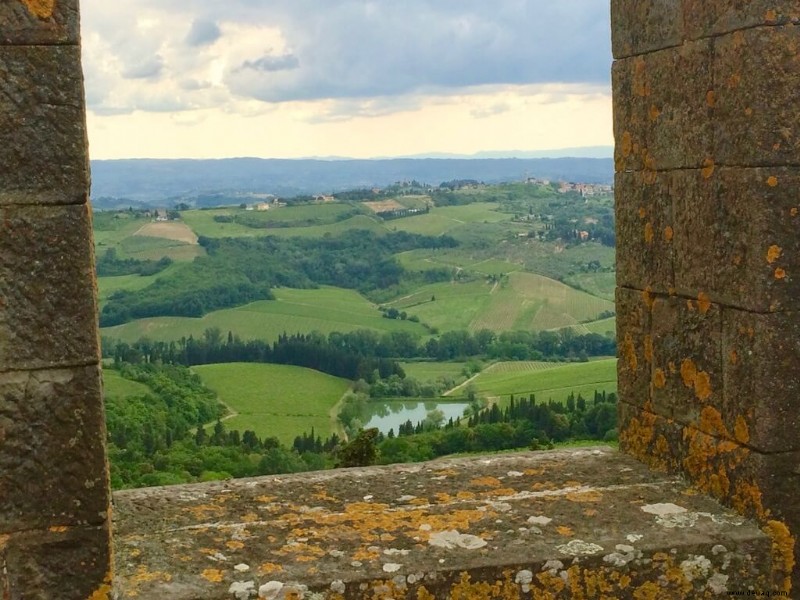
(390, 415)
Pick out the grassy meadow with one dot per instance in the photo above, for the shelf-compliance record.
(547, 380)
(275, 400)
(116, 385)
(326, 310)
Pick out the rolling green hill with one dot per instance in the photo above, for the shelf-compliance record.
(325, 310)
(548, 380)
(276, 400)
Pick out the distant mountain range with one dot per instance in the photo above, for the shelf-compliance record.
(164, 182)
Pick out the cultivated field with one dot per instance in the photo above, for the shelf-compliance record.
(275, 400)
(520, 301)
(384, 206)
(449, 218)
(325, 310)
(116, 385)
(108, 285)
(429, 371)
(554, 383)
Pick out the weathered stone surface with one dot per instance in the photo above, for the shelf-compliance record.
(39, 22)
(42, 126)
(567, 524)
(704, 18)
(762, 379)
(758, 255)
(663, 109)
(762, 486)
(645, 231)
(697, 232)
(687, 358)
(757, 76)
(57, 563)
(640, 26)
(48, 315)
(52, 461)
(635, 347)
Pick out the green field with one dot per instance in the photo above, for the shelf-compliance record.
(108, 285)
(599, 284)
(447, 219)
(325, 310)
(116, 385)
(429, 371)
(202, 221)
(276, 400)
(554, 383)
(520, 301)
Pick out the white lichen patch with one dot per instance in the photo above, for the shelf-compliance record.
(338, 586)
(392, 567)
(622, 556)
(633, 537)
(241, 568)
(406, 498)
(524, 578)
(578, 548)
(696, 567)
(678, 521)
(515, 474)
(242, 590)
(540, 520)
(395, 551)
(270, 590)
(453, 539)
(718, 549)
(718, 584)
(553, 566)
(663, 509)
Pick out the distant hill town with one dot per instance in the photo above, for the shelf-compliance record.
(158, 182)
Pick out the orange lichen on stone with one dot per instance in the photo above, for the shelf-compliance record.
(629, 353)
(589, 496)
(212, 575)
(58, 529)
(654, 113)
(747, 499)
(741, 431)
(780, 273)
(688, 372)
(734, 357)
(771, 17)
(734, 81)
(626, 144)
(709, 166)
(774, 253)
(234, 545)
(703, 302)
(104, 591)
(794, 212)
(669, 233)
(648, 348)
(711, 98)
(267, 568)
(783, 559)
(648, 233)
(659, 379)
(642, 213)
(565, 531)
(648, 297)
(486, 482)
(772, 181)
(702, 385)
(42, 9)
(641, 87)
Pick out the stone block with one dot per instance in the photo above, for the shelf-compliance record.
(761, 379)
(757, 77)
(52, 460)
(645, 250)
(663, 109)
(634, 368)
(39, 22)
(640, 26)
(42, 126)
(69, 564)
(758, 247)
(760, 486)
(47, 289)
(686, 351)
(696, 230)
(704, 18)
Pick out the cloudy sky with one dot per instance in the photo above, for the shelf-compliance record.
(356, 78)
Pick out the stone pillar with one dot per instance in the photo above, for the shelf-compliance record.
(707, 127)
(54, 500)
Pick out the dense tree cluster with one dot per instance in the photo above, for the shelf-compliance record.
(237, 271)
(110, 265)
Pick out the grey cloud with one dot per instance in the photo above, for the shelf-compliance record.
(148, 69)
(270, 64)
(360, 49)
(203, 33)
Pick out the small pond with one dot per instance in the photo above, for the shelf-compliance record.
(390, 415)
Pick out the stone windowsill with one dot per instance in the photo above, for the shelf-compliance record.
(530, 525)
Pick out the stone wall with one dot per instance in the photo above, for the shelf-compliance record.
(707, 127)
(54, 526)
